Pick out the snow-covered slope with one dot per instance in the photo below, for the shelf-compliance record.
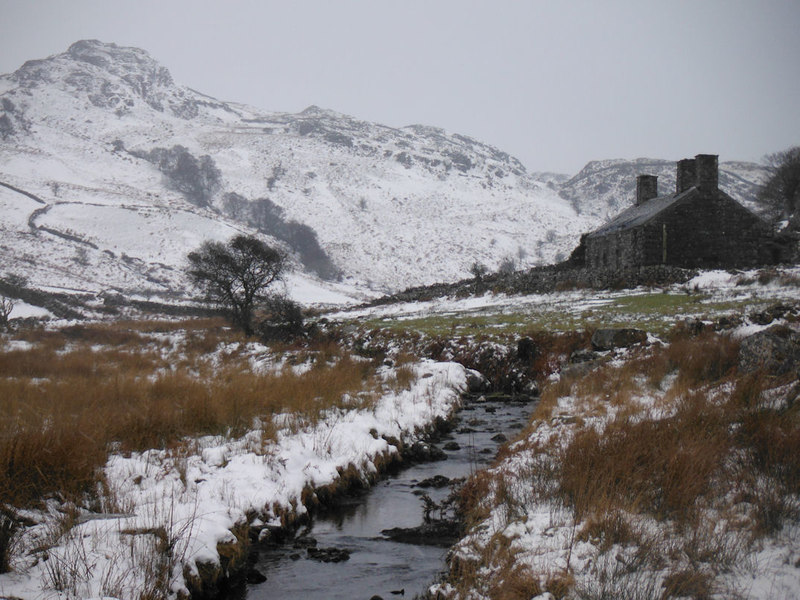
(126, 171)
(604, 188)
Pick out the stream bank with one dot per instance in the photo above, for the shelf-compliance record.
(344, 550)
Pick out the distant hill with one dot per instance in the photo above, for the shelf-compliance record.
(604, 188)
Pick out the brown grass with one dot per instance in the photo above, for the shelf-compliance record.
(508, 580)
(703, 359)
(404, 376)
(637, 465)
(65, 403)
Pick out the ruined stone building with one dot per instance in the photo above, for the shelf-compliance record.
(699, 226)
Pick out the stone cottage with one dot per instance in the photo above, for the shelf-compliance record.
(699, 226)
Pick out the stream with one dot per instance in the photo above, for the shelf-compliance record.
(378, 566)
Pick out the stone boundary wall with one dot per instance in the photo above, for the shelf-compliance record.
(542, 280)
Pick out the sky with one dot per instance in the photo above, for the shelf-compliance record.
(554, 83)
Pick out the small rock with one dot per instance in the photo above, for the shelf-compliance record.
(271, 534)
(499, 438)
(452, 446)
(442, 533)
(582, 356)
(531, 388)
(490, 409)
(328, 555)
(294, 556)
(254, 576)
(476, 382)
(761, 318)
(437, 481)
(728, 322)
(424, 452)
(305, 542)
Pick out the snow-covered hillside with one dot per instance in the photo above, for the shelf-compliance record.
(127, 171)
(604, 188)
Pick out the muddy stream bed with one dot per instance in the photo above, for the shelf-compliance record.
(343, 554)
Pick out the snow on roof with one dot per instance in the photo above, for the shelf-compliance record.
(638, 215)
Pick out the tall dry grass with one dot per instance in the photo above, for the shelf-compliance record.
(80, 392)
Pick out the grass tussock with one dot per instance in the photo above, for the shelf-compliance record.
(77, 394)
(703, 359)
(659, 466)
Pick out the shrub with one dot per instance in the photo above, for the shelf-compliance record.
(282, 319)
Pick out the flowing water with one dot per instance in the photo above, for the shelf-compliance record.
(378, 566)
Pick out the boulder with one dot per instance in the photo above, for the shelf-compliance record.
(775, 350)
(609, 339)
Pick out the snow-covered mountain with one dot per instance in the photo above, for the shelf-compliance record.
(110, 172)
(124, 171)
(604, 188)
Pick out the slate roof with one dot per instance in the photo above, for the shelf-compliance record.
(639, 215)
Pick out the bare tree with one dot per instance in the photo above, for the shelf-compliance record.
(478, 270)
(780, 195)
(235, 276)
(6, 306)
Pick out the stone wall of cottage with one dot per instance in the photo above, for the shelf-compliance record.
(617, 250)
(708, 230)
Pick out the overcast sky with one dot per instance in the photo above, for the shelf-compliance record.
(555, 83)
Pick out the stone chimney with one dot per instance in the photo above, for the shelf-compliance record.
(686, 175)
(707, 171)
(646, 188)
